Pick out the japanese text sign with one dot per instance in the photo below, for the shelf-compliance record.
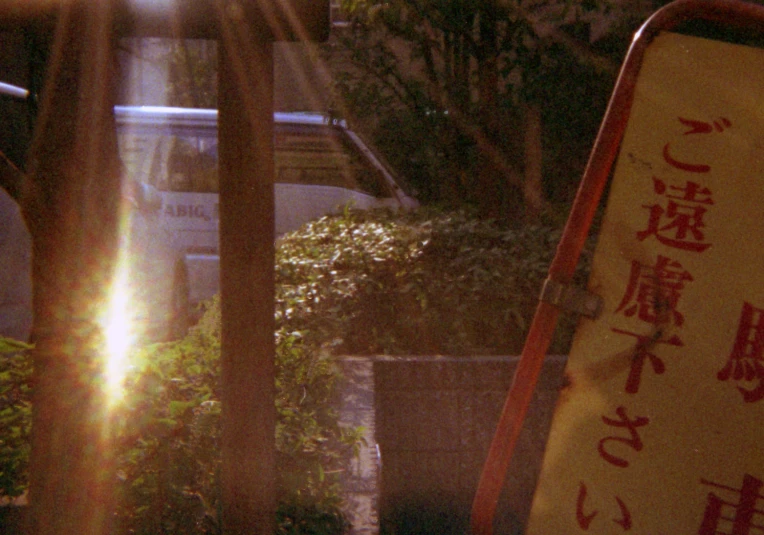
(660, 429)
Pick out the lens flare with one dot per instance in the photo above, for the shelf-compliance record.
(119, 336)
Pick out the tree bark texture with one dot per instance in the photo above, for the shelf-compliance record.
(71, 205)
(488, 172)
(247, 251)
(533, 192)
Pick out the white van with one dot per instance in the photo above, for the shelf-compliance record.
(321, 166)
(15, 271)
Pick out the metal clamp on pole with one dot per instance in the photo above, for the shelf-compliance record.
(571, 298)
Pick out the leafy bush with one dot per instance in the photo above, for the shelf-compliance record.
(170, 468)
(15, 416)
(168, 443)
(425, 282)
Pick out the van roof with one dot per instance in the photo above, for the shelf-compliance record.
(194, 117)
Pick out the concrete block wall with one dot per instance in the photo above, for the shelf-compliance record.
(357, 408)
(432, 420)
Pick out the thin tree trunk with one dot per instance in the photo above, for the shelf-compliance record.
(533, 192)
(488, 173)
(71, 208)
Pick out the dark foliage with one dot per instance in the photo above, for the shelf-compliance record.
(421, 283)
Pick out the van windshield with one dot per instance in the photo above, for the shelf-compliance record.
(311, 155)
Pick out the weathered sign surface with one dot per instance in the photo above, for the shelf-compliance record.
(660, 430)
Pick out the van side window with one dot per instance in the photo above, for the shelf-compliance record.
(136, 150)
(171, 161)
(156, 178)
(320, 155)
(190, 167)
(185, 158)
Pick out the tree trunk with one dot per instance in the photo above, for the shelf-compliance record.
(488, 172)
(533, 192)
(72, 207)
(248, 421)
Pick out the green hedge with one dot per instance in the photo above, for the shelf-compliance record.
(15, 416)
(420, 283)
(170, 469)
(168, 443)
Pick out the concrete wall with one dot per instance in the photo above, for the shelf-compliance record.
(432, 420)
(357, 408)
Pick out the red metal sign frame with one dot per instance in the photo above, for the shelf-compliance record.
(733, 13)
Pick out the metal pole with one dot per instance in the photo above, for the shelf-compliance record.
(247, 279)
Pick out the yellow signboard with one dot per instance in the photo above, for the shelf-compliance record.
(660, 428)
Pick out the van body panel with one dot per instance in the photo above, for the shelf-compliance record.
(152, 257)
(203, 276)
(192, 218)
(297, 205)
(321, 167)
